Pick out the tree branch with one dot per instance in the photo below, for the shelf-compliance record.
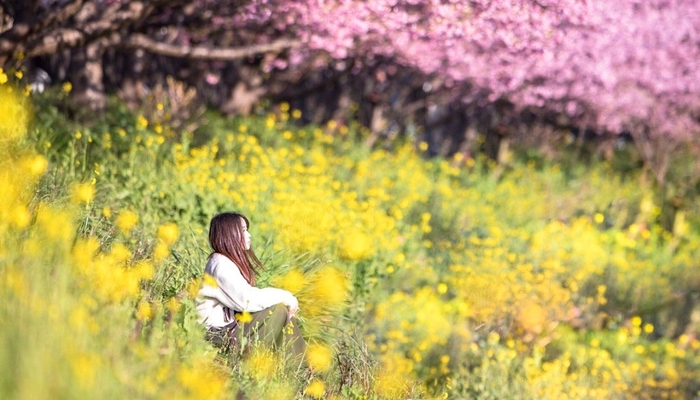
(11, 39)
(140, 41)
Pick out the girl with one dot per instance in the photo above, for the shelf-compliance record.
(229, 291)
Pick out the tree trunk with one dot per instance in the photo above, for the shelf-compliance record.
(86, 76)
(133, 89)
(246, 91)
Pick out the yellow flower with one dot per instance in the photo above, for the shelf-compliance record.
(3, 77)
(21, 217)
(126, 221)
(168, 233)
(83, 193)
(144, 311)
(141, 122)
(442, 288)
(599, 218)
(36, 165)
(202, 380)
(532, 317)
(120, 252)
(174, 305)
(293, 281)
(316, 389)
(210, 281)
(14, 115)
(356, 246)
(67, 87)
(244, 317)
(261, 364)
(160, 252)
(107, 212)
(328, 287)
(319, 357)
(84, 367)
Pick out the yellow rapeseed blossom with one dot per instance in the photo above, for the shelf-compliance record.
(143, 270)
(293, 280)
(244, 317)
(636, 321)
(599, 218)
(261, 364)
(83, 192)
(320, 357)
(14, 115)
(120, 253)
(327, 290)
(141, 122)
(126, 221)
(532, 317)
(84, 367)
(144, 311)
(356, 246)
(202, 380)
(21, 217)
(55, 223)
(442, 288)
(210, 281)
(173, 305)
(36, 164)
(316, 389)
(168, 233)
(160, 252)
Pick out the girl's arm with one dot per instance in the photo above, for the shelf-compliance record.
(237, 294)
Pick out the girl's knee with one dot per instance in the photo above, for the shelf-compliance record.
(279, 310)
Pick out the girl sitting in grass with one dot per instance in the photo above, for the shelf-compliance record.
(229, 303)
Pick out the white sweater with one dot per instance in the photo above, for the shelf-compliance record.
(215, 304)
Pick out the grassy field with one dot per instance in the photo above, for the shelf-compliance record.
(417, 278)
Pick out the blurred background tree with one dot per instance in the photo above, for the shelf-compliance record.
(469, 77)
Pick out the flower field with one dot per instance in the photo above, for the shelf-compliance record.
(417, 277)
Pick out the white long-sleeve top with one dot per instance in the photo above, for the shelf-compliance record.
(216, 304)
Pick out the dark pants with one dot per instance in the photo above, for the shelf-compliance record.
(269, 327)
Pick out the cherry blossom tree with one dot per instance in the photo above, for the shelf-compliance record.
(626, 66)
(611, 67)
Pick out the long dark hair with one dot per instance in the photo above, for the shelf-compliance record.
(226, 236)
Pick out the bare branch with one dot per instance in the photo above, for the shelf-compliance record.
(55, 32)
(20, 30)
(141, 41)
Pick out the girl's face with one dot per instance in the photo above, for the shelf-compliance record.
(246, 235)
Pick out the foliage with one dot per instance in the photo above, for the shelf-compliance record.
(418, 278)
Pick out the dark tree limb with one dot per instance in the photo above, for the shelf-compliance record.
(141, 41)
